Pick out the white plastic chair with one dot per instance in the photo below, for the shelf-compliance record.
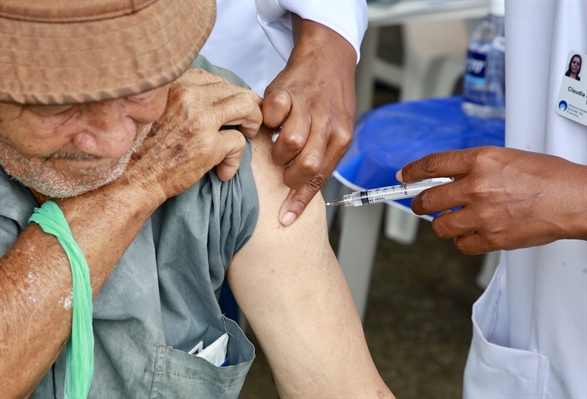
(435, 55)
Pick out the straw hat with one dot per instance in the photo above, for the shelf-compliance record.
(75, 51)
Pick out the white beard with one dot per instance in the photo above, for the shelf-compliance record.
(36, 174)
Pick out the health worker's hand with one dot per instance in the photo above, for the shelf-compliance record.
(313, 98)
(186, 142)
(508, 198)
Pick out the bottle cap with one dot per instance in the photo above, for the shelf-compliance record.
(497, 8)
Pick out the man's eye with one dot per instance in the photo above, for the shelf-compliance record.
(141, 96)
(49, 109)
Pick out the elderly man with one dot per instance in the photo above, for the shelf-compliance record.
(94, 115)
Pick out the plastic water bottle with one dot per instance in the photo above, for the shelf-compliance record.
(484, 83)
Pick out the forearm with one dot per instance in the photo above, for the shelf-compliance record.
(35, 284)
(349, 19)
(290, 287)
(573, 203)
(299, 305)
(321, 43)
(310, 331)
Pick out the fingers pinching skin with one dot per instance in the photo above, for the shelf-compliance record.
(309, 162)
(293, 137)
(187, 141)
(276, 107)
(311, 142)
(313, 98)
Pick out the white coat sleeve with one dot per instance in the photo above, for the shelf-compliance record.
(348, 18)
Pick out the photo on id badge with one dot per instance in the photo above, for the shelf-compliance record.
(572, 97)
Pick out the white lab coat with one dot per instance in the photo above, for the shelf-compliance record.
(530, 325)
(255, 46)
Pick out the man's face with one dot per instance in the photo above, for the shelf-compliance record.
(66, 150)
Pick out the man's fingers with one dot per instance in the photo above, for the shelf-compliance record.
(191, 135)
(298, 199)
(242, 109)
(232, 105)
(231, 153)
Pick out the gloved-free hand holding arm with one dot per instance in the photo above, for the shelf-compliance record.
(313, 98)
(509, 198)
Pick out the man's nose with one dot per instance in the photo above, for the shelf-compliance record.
(105, 129)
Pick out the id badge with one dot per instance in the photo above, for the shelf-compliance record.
(572, 97)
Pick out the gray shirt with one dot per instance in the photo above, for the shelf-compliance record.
(162, 297)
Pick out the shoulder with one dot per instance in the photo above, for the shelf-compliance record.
(266, 172)
(203, 63)
(272, 192)
(16, 206)
(16, 201)
(268, 175)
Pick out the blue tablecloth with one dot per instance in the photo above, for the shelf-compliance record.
(390, 136)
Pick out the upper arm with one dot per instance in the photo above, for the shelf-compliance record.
(289, 285)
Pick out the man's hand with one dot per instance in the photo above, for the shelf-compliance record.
(313, 98)
(509, 199)
(186, 142)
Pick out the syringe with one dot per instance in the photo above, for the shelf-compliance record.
(383, 194)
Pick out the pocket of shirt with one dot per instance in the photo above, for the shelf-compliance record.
(181, 375)
(494, 370)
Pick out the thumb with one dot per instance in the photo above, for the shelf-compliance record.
(231, 153)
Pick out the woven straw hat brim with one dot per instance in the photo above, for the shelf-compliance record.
(69, 62)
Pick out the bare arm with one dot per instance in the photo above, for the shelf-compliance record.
(35, 278)
(290, 287)
(315, 96)
(510, 198)
(35, 283)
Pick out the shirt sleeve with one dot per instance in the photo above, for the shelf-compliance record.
(347, 18)
(16, 206)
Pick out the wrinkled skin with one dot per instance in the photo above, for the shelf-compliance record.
(198, 102)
